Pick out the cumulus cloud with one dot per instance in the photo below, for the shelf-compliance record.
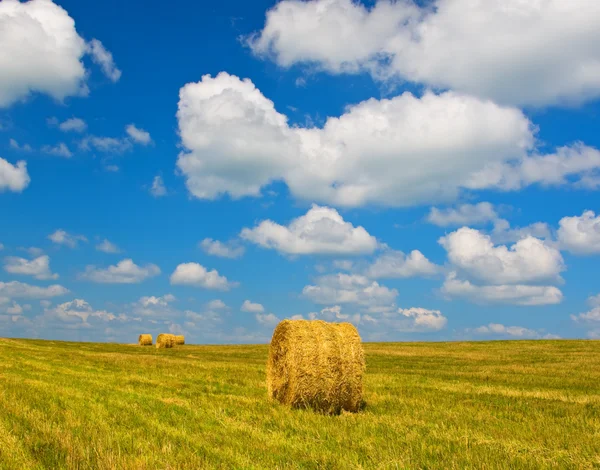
(267, 319)
(349, 289)
(116, 145)
(511, 331)
(80, 313)
(463, 214)
(484, 213)
(216, 304)
(73, 125)
(19, 148)
(50, 60)
(194, 274)
(138, 135)
(577, 165)
(230, 249)
(423, 319)
(400, 151)
(396, 264)
(58, 150)
(158, 188)
(106, 144)
(321, 230)
(252, 307)
(38, 267)
(124, 272)
(13, 177)
(580, 234)
(153, 306)
(107, 247)
(516, 294)
(104, 59)
(15, 289)
(389, 319)
(509, 51)
(61, 237)
(591, 318)
(528, 260)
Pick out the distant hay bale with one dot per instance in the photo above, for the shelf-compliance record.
(145, 340)
(317, 365)
(179, 340)
(165, 340)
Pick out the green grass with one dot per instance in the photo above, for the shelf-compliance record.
(527, 404)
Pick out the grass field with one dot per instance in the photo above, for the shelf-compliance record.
(526, 404)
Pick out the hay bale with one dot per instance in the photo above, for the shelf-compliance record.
(165, 340)
(317, 365)
(179, 340)
(145, 340)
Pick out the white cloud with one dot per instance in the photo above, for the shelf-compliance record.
(230, 250)
(503, 233)
(60, 237)
(251, 307)
(577, 165)
(343, 265)
(267, 319)
(507, 50)
(594, 300)
(73, 125)
(194, 274)
(399, 152)
(38, 267)
(106, 144)
(423, 319)
(80, 312)
(138, 135)
(124, 272)
(20, 148)
(592, 316)
(321, 230)
(16, 289)
(58, 150)
(104, 59)
(158, 188)
(1, 247)
(152, 300)
(13, 177)
(507, 294)
(512, 331)
(349, 288)
(464, 214)
(395, 264)
(153, 306)
(50, 59)
(528, 260)
(580, 235)
(216, 304)
(116, 145)
(107, 247)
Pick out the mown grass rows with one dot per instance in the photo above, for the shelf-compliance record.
(429, 405)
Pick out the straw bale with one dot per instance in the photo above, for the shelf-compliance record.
(316, 365)
(165, 340)
(145, 340)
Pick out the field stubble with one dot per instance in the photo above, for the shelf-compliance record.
(519, 404)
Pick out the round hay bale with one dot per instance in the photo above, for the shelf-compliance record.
(179, 340)
(165, 340)
(317, 365)
(145, 340)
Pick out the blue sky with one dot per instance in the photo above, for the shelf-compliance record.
(211, 169)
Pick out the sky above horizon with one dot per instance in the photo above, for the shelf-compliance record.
(428, 171)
